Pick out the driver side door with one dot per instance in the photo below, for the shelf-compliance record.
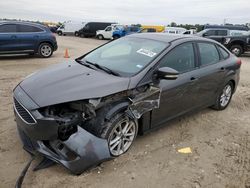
(177, 96)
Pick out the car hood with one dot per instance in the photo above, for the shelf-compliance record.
(71, 81)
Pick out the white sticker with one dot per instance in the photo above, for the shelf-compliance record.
(146, 52)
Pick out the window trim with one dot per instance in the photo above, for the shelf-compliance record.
(17, 28)
(195, 57)
(222, 57)
(199, 55)
(20, 25)
(8, 32)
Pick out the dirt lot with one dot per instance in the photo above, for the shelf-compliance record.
(220, 141)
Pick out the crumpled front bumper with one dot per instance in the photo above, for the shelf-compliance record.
(78, 153)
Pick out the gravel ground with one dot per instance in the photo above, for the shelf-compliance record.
(220, 141)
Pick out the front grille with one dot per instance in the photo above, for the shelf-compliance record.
(23, 113)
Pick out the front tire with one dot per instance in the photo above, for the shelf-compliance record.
(236, 50)
(59, 33)
(100, 37)
(45, 50)
(120, 132)
(224, 97)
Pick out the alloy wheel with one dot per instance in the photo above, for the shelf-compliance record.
(46, 50)
(226, 95)
(122, 136)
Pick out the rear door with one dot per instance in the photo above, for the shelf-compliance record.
(178, 96)
(28, 37)
(211, 73)
(8, 38)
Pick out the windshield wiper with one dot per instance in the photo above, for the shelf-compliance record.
(106, 69)
(84, 63)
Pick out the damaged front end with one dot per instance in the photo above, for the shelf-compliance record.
(63, 134)
(57, 133)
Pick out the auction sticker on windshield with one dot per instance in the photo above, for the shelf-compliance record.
(146, 52)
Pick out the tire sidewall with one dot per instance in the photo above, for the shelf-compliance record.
(218, 104)
(100, 37)
(238, 47)
(39, 50)
(113, 122)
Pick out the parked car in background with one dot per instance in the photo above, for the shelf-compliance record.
(70, 28)
(158, 28)
(174, 30)
(125, 30)
(229, 27)
(90, 28)
(128, 86)
(26, 37)
(53, 29)
(108, 31)
(189, 32)
(237, 41)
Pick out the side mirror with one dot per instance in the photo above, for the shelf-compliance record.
(167, 73)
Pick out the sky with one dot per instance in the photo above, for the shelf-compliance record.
(129, 11)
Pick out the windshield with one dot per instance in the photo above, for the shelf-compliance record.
(126, 56)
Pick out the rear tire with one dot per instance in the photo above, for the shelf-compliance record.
(236, 50)
(45, 50)
(224, 98)
(59, 33)
(76, 33)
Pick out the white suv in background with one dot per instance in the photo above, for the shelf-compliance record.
(107, 32)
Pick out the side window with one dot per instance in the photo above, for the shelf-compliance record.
(222, 32)
(8, 28)
(108, 29)
(211, 33)
(223, 52)
(208, 53)
(28, 29)
(180, 58)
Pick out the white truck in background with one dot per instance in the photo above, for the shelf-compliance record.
(70, 28)
(174, 30)
(107, 32)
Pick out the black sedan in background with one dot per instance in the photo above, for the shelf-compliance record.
(83, 112)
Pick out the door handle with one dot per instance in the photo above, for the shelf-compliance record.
(36, 36)
(13, 36)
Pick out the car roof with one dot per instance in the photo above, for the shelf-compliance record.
(23, 22)
(168, 38)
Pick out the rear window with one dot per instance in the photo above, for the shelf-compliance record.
(208, 53)
(223, 52)
(29, 29)
(8, 28)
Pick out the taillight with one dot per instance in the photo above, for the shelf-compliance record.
(239, 61)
